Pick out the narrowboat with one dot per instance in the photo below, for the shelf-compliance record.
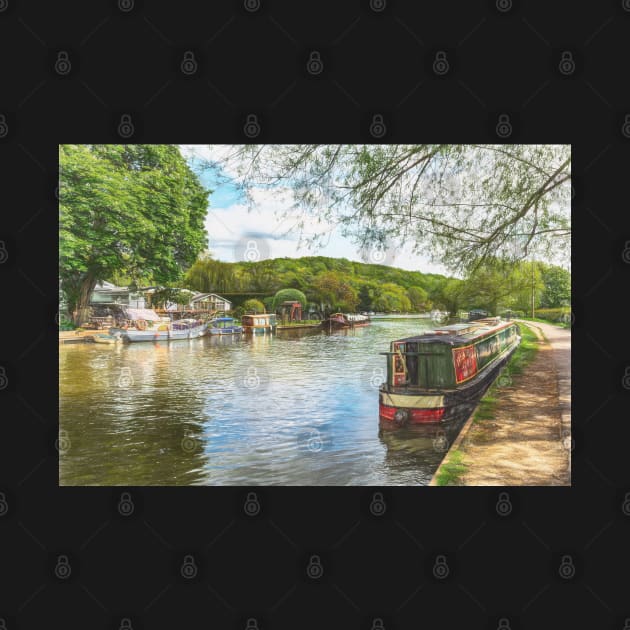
(437, 375)
(224, 326)
(345, 320)
(259, 323)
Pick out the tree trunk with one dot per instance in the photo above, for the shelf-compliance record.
(81, 314)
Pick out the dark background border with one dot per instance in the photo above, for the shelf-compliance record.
(503, 58)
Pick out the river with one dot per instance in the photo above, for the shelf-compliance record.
(296, 408)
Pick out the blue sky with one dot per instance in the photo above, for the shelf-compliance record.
(238, 233)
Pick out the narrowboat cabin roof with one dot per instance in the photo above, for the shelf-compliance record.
(459, 333)
(223, 319)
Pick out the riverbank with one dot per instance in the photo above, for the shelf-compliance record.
(519, 434)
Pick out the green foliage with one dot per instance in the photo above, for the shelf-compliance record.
(554, 315)
(253, 305)
(135, 211)
(162, 297)
(285, 295)
(557, 287)
(452, 470)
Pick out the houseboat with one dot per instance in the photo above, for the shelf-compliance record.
(259, 323)
(437, 375)
(224, 326)
(345, 320)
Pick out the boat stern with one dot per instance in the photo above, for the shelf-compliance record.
(402, 409)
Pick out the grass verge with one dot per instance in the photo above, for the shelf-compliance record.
(451, 471)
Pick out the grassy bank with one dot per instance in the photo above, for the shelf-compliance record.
(454, 467)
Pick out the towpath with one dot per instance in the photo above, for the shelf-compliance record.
(528, 440)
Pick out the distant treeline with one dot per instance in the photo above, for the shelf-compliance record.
(338, 283)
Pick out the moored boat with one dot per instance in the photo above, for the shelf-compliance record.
(345, 320)
(259, 323)
(224, 326)
(181, 329)
(435, 376)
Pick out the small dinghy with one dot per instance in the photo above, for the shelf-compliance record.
(103, 338)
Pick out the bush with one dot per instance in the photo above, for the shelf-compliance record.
(556, 315)
(253, 305)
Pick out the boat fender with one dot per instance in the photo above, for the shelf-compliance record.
(141, 324)
(401, 417)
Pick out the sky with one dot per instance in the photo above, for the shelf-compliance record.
(238, 233)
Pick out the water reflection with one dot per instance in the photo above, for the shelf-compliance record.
(289, 409)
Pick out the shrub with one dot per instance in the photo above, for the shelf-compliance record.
(556, 315)
(253, 305)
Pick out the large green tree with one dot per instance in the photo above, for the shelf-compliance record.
(136, 211)
(461, 204)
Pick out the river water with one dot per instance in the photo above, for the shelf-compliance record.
(297, 408)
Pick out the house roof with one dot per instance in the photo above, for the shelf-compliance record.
(203, 296)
